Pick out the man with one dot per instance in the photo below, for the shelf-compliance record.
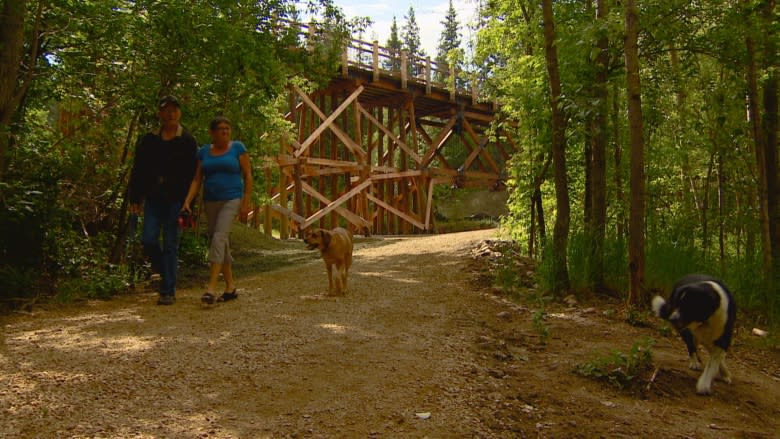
(163, 169)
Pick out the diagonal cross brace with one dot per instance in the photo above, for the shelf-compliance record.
(341, 200)
(346, 213)
(390, 134)
(328, 123)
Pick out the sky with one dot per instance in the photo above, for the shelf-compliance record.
(429, 15)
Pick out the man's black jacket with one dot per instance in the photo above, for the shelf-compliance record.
(163, 169)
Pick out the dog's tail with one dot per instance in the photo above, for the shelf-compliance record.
(660, 307)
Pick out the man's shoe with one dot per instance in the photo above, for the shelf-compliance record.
(166, 300)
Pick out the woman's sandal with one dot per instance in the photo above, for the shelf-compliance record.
(207, 298)
(228, 296)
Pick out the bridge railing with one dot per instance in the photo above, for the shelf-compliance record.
(383, 61)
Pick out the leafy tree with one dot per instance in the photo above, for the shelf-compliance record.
(561, 229)
(710, 173)
(79, 82)
(636, 243)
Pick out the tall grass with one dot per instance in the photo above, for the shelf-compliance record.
(579, 250)
(666, 262)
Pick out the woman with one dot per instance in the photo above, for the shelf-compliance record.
(223, 167)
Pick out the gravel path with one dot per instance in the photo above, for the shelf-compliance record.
(416, 349)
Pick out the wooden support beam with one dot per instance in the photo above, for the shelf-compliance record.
(287, 213)
(298, 195)
(482, 145)
(390, 134)
(349, 216)
(397, 212)
(328, 121)
(439, 141)
(344, 137)
(487, 119)
(334, 204)
(398, 175)
(474, 153)
(429, 209)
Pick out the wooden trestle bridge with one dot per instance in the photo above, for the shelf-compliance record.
(370, 147)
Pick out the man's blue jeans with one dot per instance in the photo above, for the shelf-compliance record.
(161, 216)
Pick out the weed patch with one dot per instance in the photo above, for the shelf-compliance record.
(623, 371)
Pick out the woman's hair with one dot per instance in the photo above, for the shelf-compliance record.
(217, 121)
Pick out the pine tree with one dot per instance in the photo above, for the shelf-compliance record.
(411, 39)
(450, 36)
(394, 47)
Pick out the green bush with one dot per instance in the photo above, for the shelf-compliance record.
(193, 249)
(94, 283)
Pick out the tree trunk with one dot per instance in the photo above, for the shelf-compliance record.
(620, 216)
(537, 213)
(761, 164)
(721, 213)
(12, 37)
(562, 217)
(636, 220)
(599, 156)
(705, 207)
(770, 126)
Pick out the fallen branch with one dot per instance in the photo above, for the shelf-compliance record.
(652, 379)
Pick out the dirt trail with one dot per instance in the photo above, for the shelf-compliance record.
(414, 350)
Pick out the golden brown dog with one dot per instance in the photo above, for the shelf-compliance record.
(336, 249)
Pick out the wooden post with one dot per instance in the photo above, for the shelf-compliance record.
(452, 82)
(298, 205)
(345, 62)
(283, 221)
(375, 61)
(267, 223)
(379, 225)
(403, 186)
(428, 75)
(334, 179)
(404, 68)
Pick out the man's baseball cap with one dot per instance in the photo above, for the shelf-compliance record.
(168, 100)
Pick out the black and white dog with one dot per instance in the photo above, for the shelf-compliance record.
(702, 310)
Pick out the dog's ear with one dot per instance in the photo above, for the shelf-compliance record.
(661, 307)
(325, 235)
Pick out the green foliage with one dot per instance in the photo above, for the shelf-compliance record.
(102, 66)
(699, 153)
(394, 45)
(193, 249)
(410, 35)
(624, 371)
(615, 261)
(448, 51)
(537, 320)
(94, 282)
(30, 219)
(506, 276)
(637, 317)
(450, 36)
